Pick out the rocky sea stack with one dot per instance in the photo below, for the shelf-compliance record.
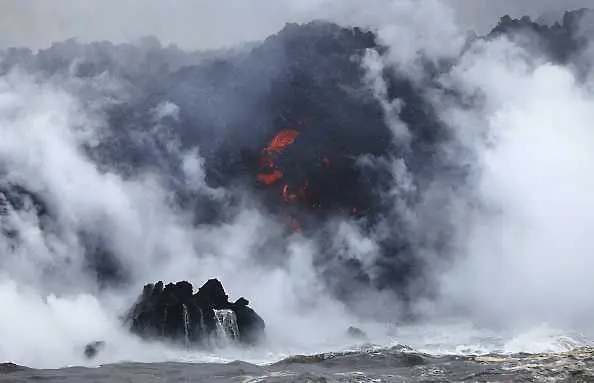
(206, 318)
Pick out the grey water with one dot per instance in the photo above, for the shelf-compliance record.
(396, 364)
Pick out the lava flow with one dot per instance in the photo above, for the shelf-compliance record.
(290, 179)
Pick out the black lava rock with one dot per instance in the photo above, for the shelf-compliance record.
(173, 312)
(356, 333)
(93, 348)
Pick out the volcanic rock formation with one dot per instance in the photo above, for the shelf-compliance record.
(92, 349)
(205, 318)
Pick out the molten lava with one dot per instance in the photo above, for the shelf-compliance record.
(289, 179)
(269, 172)
(282, 140)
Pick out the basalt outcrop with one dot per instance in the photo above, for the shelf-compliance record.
(173, 312)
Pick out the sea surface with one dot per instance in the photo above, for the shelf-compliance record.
(396, 364)
(548, 355)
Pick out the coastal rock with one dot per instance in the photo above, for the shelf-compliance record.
(93, 348)
(205, 318)
(7, 368)
(356, 333)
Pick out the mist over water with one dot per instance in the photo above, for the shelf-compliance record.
(46, 280)
(518, 262)
(527, 253)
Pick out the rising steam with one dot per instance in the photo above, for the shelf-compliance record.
(505, 242)
(526, 254)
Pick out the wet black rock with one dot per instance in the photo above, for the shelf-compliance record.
(7, 368)
(356, 333)
(92, 349)
(173, 312)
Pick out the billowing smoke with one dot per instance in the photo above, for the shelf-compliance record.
(458, 184)
(526, 253)
(189, 24)
(125, 228)
(118, 169)
(521, 118)
(518, 106)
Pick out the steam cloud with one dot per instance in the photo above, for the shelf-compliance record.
(520, 222)
(527, 250)
(37, 23)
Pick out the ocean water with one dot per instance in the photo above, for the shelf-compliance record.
(441, 353)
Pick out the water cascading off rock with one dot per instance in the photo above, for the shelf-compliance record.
(206, 318)
(227, 328)
(187, 324)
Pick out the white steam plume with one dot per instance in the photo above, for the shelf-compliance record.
(45, 126)
(525, 259)
(527, 255)
(200, 24)
(523, 256)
